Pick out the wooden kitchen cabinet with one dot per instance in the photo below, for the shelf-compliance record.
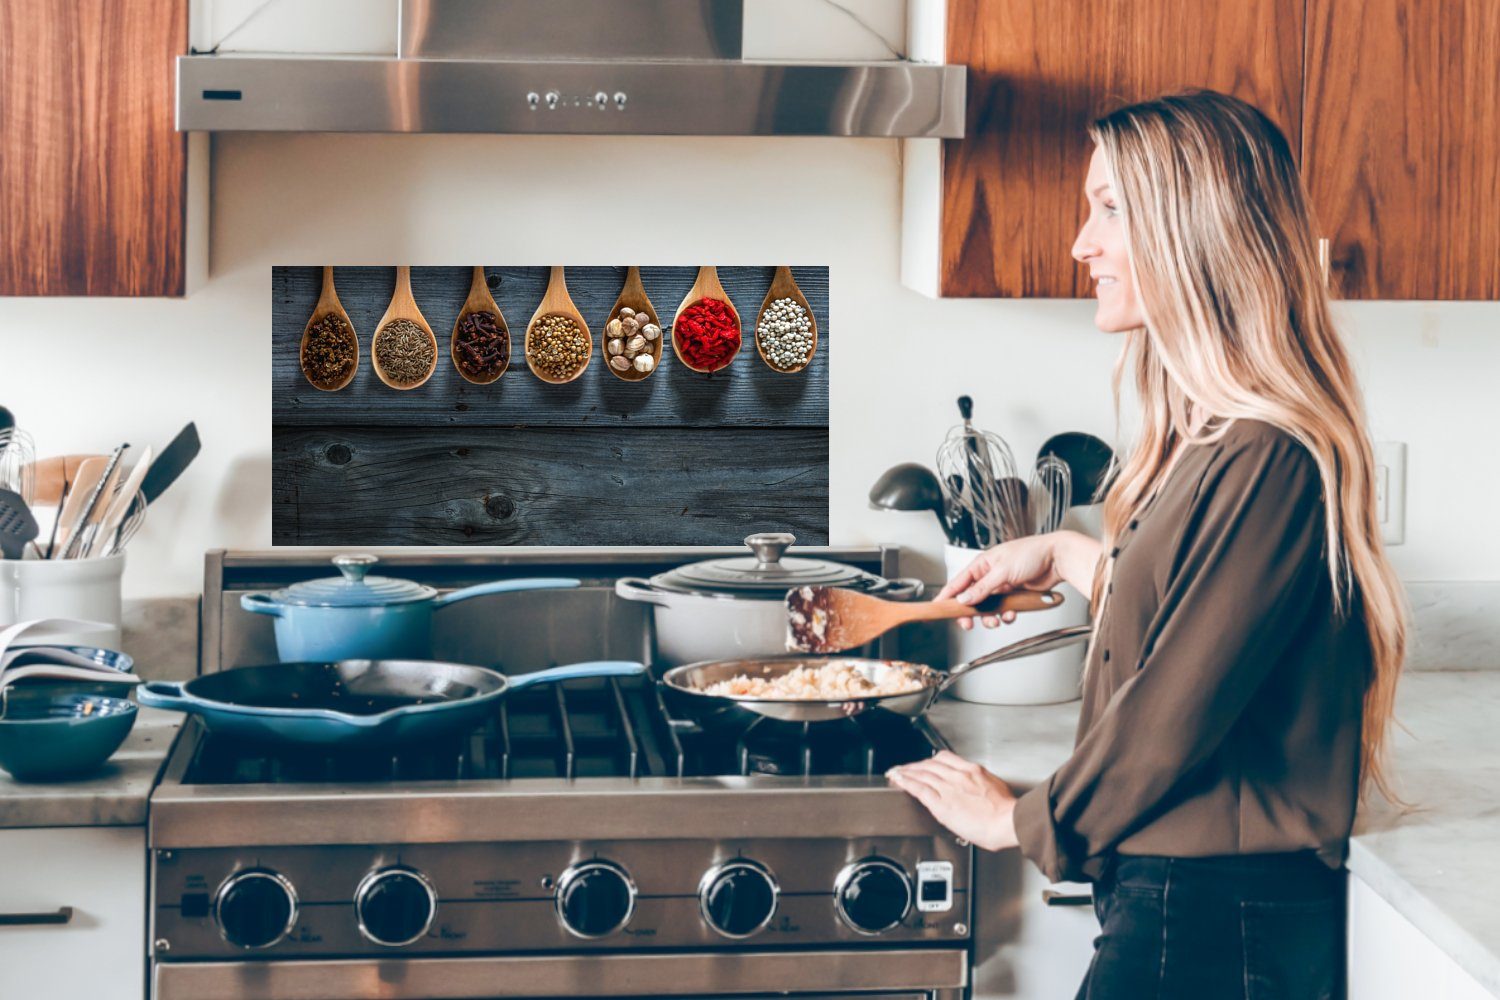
(1401, 150)
(99, 873)
(94, 194)
(1011, 191)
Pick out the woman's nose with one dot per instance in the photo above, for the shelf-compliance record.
(1085, 248)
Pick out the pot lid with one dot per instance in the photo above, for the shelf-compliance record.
(763, 575)
(353, 589)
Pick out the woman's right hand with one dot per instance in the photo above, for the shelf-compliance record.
(1036, 562)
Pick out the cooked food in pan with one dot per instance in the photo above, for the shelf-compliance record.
(835, 681)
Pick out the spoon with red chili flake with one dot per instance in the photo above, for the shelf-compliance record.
(706, 330)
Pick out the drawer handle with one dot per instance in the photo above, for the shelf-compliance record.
(63, 915)
(1054, 898)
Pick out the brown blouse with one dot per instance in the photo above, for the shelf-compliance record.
(1222, 700)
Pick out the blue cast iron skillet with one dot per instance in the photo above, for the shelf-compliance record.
(354, 702)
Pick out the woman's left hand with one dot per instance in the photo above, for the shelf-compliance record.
(962, 796)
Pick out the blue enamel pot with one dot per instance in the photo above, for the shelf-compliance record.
(359, 617)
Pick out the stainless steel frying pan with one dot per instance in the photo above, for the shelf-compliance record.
(686, 687)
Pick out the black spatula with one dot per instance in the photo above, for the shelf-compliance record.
(17, 526)
(174, 458)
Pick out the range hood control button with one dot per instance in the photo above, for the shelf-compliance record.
(255, 908)
(595, 898)
(395, 906)
(552, 98)
(533, 99)
(873, 896)
(620, 99)
(738, 898)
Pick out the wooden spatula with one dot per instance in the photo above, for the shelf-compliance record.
(833, 619)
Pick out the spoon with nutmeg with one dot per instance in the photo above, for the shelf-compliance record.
(633, 332)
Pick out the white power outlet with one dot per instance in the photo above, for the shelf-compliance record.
(1390, 490)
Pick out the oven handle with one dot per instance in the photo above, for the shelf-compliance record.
(1053, 897)
(63, 915)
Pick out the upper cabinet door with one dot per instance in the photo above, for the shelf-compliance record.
(93, 190)
(1402, 147)
(1039, 72)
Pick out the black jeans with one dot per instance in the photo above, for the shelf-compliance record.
(1257, 927)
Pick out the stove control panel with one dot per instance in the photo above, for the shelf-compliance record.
(342, 900)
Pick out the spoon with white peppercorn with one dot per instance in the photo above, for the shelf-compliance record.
(330, 348)
(786, 331)
(632, 335)
(558, 342)
(403, 351)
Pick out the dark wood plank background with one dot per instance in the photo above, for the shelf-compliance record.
(678, 459)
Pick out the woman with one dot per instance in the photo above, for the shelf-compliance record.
(1249, 630)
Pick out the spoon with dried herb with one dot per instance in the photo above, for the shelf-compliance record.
(403, 350)
(330, 347)
(480, 346)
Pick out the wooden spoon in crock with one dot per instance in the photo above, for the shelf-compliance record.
(480, 301)
(784, 286)
(707, 287)
(403, 306)
(557, 302)
(328, 303)
(633, 295)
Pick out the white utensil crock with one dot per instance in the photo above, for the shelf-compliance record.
(86, 589)
(1043, 679)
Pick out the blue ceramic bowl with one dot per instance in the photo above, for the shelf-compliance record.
(61, 736)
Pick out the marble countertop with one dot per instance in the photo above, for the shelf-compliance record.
(1435, 862)
(116, 796)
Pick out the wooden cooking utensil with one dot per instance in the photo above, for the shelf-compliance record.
(80, 486)
(833, 619)
(120, 503)
(556, 302)
(707, 287)
(480, 301)
(633, 295)
(49, 481)
(403, 306)
(328, 304)
(784, 286)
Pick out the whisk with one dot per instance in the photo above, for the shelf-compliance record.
(18, 463)
(976, 469)
(1050, 494)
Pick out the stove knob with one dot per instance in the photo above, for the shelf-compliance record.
(255, 908)
(395, 906)
(738, 898)
(595, 898)
(872, 895)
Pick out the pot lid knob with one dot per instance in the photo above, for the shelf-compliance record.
(354, 567)
(770, 546)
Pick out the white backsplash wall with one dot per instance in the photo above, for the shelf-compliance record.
(85, 374)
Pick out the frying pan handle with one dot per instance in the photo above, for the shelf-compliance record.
(1044, 643)
(164, 694)
(633, 588)
(261, 604)
(594, 668)
(505, 587)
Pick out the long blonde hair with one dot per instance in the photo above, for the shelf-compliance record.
(1238, 325)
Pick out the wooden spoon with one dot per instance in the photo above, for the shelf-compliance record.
(784, 286)
(633, 295)
(706, 287)
(832, 619)
(557, 303)
(80, 487)
(328, 303)
(480, 301)
(402, 306)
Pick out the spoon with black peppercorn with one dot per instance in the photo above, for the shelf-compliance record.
(478, 359)
(403, 350)
(558, 342)
(784, 287)
(642, 314)
(321, 350)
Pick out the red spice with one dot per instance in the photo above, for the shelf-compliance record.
(707, 334)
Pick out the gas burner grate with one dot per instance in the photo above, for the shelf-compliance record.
(587, 728)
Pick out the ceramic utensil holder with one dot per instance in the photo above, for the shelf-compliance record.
(1043, 679)
(86, 589)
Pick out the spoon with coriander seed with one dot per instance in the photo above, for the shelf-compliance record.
(632, 334)
(480, 346)
(403, 350)
(558, 342)
(330, 348)
(706, 332)
(786, 331)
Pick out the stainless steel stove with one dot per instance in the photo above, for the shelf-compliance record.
(582, 842)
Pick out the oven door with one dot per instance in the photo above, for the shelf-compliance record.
(928, 974)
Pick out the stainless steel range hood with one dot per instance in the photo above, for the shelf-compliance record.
(559, 67)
